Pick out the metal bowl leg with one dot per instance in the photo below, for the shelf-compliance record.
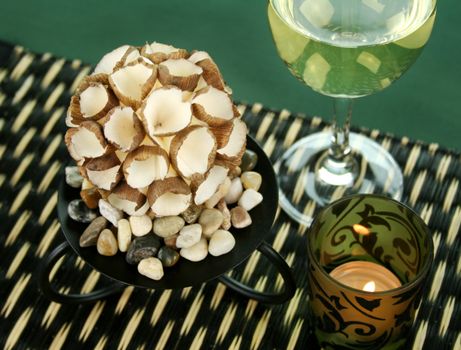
(51, 293)
(269, 298)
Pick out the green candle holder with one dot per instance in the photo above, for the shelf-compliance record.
(366, 230)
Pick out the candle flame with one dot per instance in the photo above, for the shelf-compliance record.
(369, 286)
(360, 229)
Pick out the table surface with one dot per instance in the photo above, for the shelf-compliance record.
(422, 105)
(34, 93)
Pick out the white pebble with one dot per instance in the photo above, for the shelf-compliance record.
(235, 191)
(113, 215)
(189, 235)
(73, 177)
(251, 179)
(222, 242)
(123, 235)
(197, 252)
(250, 199)
(151, 268)
(140, 225)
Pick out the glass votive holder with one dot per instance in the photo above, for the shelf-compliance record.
(368, 258)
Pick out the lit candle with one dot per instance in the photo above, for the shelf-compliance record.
(366, 276)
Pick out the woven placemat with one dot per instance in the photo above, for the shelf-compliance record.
(34, 92)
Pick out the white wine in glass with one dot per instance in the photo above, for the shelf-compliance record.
(344, 49)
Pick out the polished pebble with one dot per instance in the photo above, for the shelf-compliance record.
(222, 242)
(73, 177)
(79, 212)
(189, 235)
(235, 191)
(211, 220)
(169, 257)
(191, 214)
(250, 199)
(240, 217)
(142, 248)
(90, 236)
(197, 252)
(140, 225)
(151, 267)
(109, 212)
(107, 243)
(123, 235)
(171, 241)
(249, 160)
(168, 226)
(251, 180)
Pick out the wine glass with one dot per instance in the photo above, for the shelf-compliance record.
(344, 49)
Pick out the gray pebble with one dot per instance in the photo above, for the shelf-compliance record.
(211, 220)
(168, 256)
(142, 247)
(249, 160)
(78, 211)
(90, 236)
(73, 177)
(168, 226)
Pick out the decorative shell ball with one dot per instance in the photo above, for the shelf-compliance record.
(154, 130)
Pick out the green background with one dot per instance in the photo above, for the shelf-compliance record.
(423, 105)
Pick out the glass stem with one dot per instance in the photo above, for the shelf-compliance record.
(337, 166)
(340, 149)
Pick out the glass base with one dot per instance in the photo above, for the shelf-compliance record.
(302, 189)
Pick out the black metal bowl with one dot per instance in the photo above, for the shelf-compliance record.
(185, 273)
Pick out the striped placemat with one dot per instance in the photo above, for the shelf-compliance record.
(34, 92)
